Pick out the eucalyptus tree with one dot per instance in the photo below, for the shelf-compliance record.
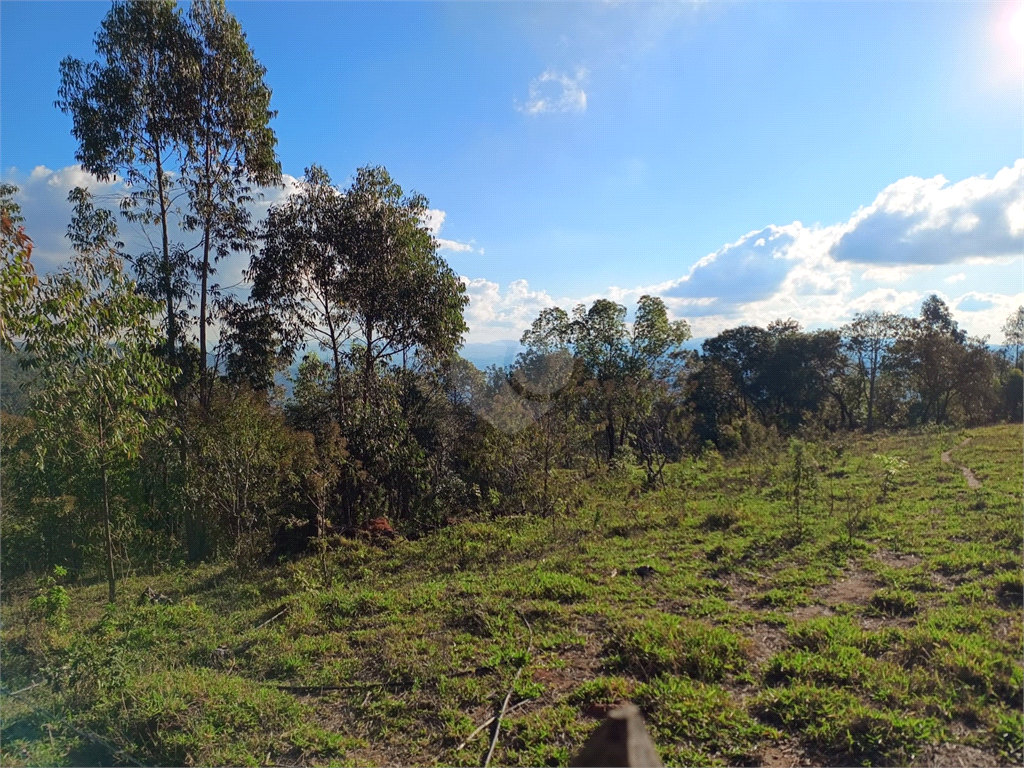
(99, 386)
(357, 272)
(1013, 332)
(870, 339)
(230, 147)
(130, 113)
(401, 296)
(17, 276)
(616, 359)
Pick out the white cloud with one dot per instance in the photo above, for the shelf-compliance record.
(433, 220)
(892, 274)
(957, 278)
(929, 221)
(497, 315)
(556, 92)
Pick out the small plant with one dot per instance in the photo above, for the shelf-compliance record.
(892, 467)
(855, 517)
(801, 483)
(52, 602)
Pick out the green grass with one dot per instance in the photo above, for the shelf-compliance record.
(739, 640)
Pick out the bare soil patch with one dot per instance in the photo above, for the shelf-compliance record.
(896, 560)
(856, 589)
(765, 642)
(955, 755)
(784, 755)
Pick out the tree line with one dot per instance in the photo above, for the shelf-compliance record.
(131, 441)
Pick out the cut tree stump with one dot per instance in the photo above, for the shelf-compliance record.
(621, 740)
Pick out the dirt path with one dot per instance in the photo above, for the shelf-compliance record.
(947, 458)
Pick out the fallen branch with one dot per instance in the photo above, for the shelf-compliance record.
(504, 705)
(490, 720)
(276, 616)
(29, 688)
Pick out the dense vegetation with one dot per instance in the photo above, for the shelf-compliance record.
(749, 474)
(880, 624)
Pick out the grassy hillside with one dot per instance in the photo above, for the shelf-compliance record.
(884, 626)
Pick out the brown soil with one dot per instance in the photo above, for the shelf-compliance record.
(958, 755)
(785, 755)
(895, 560)
(947, 458)
(856, 589)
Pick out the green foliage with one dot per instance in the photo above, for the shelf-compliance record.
(663, 643)
(52, 602)
(100, 386)
(18, 280)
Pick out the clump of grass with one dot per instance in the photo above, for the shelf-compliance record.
(560, 587)
(894, 602)
(1010, 589)
(836, 723)
(662, 643)
(602, 690)
(203, 717)
(720, 519)
(702, 720)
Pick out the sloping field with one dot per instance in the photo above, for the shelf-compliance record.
(879, 625)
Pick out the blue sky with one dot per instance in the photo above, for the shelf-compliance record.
(746, 161)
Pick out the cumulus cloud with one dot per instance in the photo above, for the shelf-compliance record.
(494, 314)
(555, 92)
(973, 301)
(957, 278)
(433, 220)
(749, 269)
(930, 221)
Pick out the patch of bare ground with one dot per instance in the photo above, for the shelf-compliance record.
(955, 755)
(895, 559)
(788, 754)
(765, 642)
(855, 589)
(579, 665)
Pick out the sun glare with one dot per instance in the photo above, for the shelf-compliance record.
(1015, 27)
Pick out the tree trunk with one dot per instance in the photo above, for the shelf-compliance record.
(172, 325)
(871, 402)
(110, 540)
(204, 385)
(367, 365)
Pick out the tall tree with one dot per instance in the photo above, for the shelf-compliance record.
(358, 272)
(99, 385)
(400, 294)
(936, 316)
(230, 145)
(1013, 332)
(614, 358)
(869, 338)
(130, 116)
(17, 276)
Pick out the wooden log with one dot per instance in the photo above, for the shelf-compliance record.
(620, 741)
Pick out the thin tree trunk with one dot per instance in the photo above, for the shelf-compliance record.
(172, 325)
(367, 365)
(110, 540)
(204, 385)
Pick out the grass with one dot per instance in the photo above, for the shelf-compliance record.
(891, 624)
